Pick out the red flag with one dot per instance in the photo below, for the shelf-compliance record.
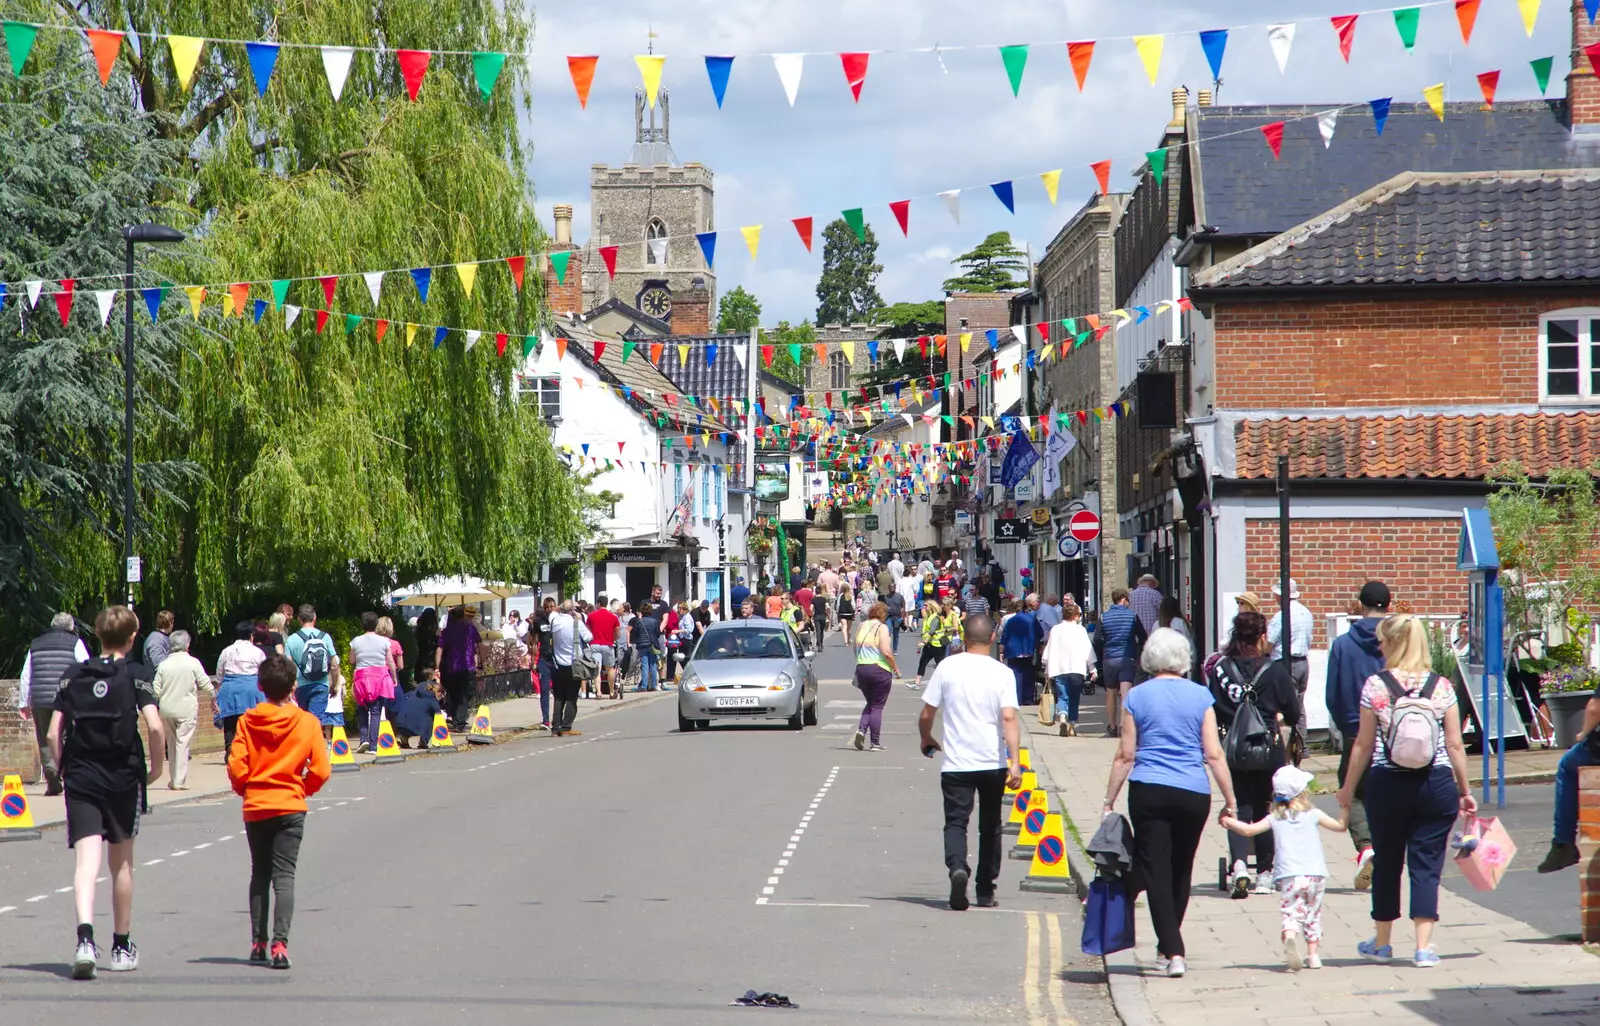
(1489, 81)
(1081, 54)
(500, 343)
(322, 320)
(518, 265)
(922, 344)
(1274, 134)
(902, 213)
(1593, 50)
(599, 349)
(329, 282)
(383, 329)
(1466, 17)
(1102, 174)
(609, 255)
(855, 71)
(803, 226)
(1185, 303)
(106, 46)
(413, 65)
(1044, 331)
(64, 299)
(1345, 26)
(582, 71)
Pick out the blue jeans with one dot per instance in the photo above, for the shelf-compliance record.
(648, 679)
(894, 633)
(1069, 688)
(313, 698)
(1566, 819)
(546, 681)
(1022, 670)
(370, 719)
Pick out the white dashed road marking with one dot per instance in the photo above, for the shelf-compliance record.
(794, 840)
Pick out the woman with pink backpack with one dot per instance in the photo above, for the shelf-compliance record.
(1410, 737)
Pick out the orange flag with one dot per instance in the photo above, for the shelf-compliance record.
(582, 69)
(1081, 54)
(1102, 174)
(1466, 17)
(106, 45)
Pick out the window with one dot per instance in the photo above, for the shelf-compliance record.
(542, 393)
(718, 488)
(705, 494)
(1569, 355)
(838, 372)
(653, 230)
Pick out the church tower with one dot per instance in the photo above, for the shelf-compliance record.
(651, 208)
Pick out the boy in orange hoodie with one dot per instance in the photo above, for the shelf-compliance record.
(278, 759)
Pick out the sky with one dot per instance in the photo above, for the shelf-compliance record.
(930, 122)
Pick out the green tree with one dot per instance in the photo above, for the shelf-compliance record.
(1546, 533)
(990, 266)
(905, 320)
(738, 312)
(847, 292)
(780, 339)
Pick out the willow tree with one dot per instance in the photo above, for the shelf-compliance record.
(333, 460)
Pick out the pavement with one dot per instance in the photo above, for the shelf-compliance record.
(630, 875)
(1508, 956)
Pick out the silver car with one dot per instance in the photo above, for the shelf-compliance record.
(748, 670)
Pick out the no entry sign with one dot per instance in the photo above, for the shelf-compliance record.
(1084, 526)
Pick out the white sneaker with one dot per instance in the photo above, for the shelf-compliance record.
(126, 959)
(83, 962)
(1177, 967)
(1364, 870)
(1291, 953)
(1162, 961)
(1240, 878)
(1264, 884)
(1313, 961)
(860, 741)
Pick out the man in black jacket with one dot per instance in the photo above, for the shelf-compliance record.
(50, 656)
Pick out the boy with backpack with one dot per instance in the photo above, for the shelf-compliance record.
(316, 664)
(277, 760)
(94, 736)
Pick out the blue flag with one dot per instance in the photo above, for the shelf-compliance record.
(711, 353)
(1380, 112)
(708, 246)
(438, 336)
(994, 339)
(717, 69)
(422, 276)
(263, 58)
(1019, 459)
(152, 301)
(261, 309)
(1002, 192)
(1214, 42)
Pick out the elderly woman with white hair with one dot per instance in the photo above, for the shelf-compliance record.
(179, 679)
(1168, 741)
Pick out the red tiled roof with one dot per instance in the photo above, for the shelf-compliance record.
(1435, 446)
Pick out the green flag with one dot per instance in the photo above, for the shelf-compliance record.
(351, 323)
(280, 291)
(559, 262)
(794, 353)
(627, 350)
(528, 342)
(486, 69)
(19, 40)
(1069, 325)
(1158, 165)
(1541, 72)
(858, 224)
(1015, 58)
(1405, 22)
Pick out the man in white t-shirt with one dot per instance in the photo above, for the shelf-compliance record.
(978, 696)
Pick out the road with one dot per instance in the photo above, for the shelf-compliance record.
(610, 878)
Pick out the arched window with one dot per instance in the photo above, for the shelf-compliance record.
(838, 372)
(655, 229)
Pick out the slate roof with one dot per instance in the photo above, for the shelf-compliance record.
(1435, 229)
(723, 378)
(648, 384)
(1241, 190)
(1424, 446)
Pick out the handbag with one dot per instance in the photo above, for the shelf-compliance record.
(1047, 702)
(585, 666)
(1108, 917)
(1484, 849)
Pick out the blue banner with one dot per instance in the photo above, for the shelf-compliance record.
(1019, 459)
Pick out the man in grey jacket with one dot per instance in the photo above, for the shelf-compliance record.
(50, 656)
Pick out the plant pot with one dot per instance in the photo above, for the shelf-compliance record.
(1566, 713)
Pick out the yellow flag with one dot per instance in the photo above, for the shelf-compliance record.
(411, 333)
(988, 422)
(752, 238)
(1048, 350)
(650, 71)
(1434, 94)
(1052, 184)
(185, 55)
(849, 351)
(1150, 48)
(197, 295)
(683, 355)
(468, 273)
(227, 304)
(1530, 13)
(966, 340)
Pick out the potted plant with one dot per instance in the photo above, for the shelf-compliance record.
(1566, 690)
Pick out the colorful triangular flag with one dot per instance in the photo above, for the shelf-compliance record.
(1434, 94)
(1282, 38)
(1052, 184)
(486, 67)
(855, 71)
(1466, 18)
(374, 280)
(105, 45)
(582, 71)
(1344, 26)
(1015, 59)
(650, 66)
(1380, 112)
(423, 276)
(1326, 121)
(718, 69)
(1541, 70)
(857, 222)
(608, 254)
(104, 299)
(708, 247)
(1274, 136)
(185, 55)
(413, 68)
(802, 227)
(1158, 165)
(1215, 43)
(790, 67)
(1080, 54)
(561, 258)
(1003, 193)
(1530, 14)
(752, 238)
(1405, 23)
(902, 214)
(336, 66)
(1488, 83)
(263, 58)
(1150, 48)
(1102, 175)
(19, 41)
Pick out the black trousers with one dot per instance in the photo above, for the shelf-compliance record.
(457, 692)
(1411, 813)
(1253, 792)
(988, 787)
(931, 654)
(564, 686)
(274, 850)
(1167, 823)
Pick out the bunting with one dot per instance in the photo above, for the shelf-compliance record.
(1052, 184)
(582, 71)
(650, 66)
(752, 238)
(263, 59)
(790, 67)
(952, 203)
(1015, 59)
(717, 70)
(1150, 48)
(708, 249)
(1344, 26)
(855, 72)
(336, 67)
(185, 55)
(1080, 54)
(1282, 38)
(413, 68)
(1214, 42)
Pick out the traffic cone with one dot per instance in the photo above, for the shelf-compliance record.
(1025, 802)
(1032, 825)
(1029, 782)
(441, 733)
(339, 753)
(482, 733)
(1048, 872)
(16, 820)
(1024, 759)
(388, 748)
(1018, 800)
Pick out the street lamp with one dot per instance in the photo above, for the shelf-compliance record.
(156, 234)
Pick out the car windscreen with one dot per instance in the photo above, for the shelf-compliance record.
(742, 643)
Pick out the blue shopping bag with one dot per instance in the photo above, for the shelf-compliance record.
(1108, 917)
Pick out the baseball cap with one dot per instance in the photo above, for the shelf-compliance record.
(1289, 781)
(1374, 595)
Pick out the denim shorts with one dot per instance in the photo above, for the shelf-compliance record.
(313, 698)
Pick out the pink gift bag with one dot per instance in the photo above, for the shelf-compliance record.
(1484, 864)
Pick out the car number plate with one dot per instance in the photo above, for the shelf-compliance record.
(737, 703)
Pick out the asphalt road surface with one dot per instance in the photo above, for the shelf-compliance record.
(611, 878)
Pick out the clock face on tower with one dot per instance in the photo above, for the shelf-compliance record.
(656, 301)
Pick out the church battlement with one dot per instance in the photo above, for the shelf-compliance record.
(692, 174)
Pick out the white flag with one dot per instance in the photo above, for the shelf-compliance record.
(105, 297)
(290, 312)
(33, 293)
(790, 66)
(374, 285)
(658, 250)
(742, 352)
(952, 203)
(1281, 37)
(336, 65)
(900, 349)
(1325, 123)
(472, 340)
(1021, 333)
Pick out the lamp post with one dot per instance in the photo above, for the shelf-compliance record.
(157, 234)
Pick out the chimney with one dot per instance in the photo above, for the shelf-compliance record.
(1203, 98)
(564, 296)
(691, 312)
(1180, 100)
(1583, 86)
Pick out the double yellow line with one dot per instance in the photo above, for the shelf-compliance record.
(1046, 963)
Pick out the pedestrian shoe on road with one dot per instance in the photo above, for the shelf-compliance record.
(125, 960)
(258, 953)
(958, 889)
(1063, 727)
(878, 748)
(1264, 884)
(860, 741)
(1364, 870)
(83, 963)
(1291, 953)
(1241, 881)
(986, 901)
(1559, 857)
(1425, 958)
(1162, 961)
(573, 733)
(1177, 967)
(1313, 961)
(280, 955)
(1369, 950)
(363, 748)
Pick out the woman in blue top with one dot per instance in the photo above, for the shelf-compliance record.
(1169, 740)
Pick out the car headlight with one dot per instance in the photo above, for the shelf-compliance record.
(691, 682)
(783, 682)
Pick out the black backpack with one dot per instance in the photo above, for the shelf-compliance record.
(105, 716)
(1251, 745)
